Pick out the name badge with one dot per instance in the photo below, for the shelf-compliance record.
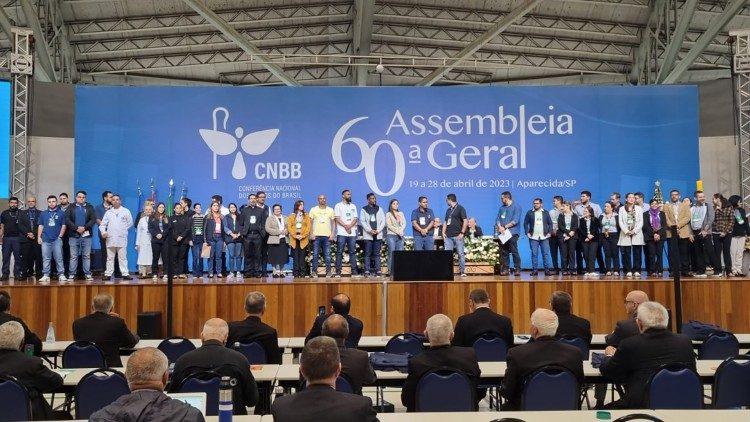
(252, 219)
(348, 215)
(502, 215)
(199, 232)
(322, 220)
(448, 221)
(372, 217)
(298, 225)
(538, 219)
(51, 222)
(422, 221)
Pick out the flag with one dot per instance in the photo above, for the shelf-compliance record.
(140, 195)
(170, 198)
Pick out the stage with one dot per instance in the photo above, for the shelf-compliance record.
(384, 306)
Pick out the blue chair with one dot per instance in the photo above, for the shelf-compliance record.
(405, 343)
(675, 386)
(14, 400)
(732, 384)
(551, 388)
(98, 389)
(83, 354)
(719, 346)
(174, 347)
(204, 382)
(344, 385)
(254, 353)
(577, 342)
(490, 348)
(445, 390)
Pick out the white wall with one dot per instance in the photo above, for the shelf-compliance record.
(719, 165)
(51, 166)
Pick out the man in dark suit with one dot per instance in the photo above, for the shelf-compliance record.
(480, 321)
(441, 354)
(212, 355)
(29, 370)
(638, 357)
(320, 366)
(29, 337)
(569, 324)
(252, 329)
(543, 351)
(105, 328)
(147, 374)
(340, 304)
(355, 364)
(31, 249)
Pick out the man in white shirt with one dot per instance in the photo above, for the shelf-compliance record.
(346, 232)
(114, 229)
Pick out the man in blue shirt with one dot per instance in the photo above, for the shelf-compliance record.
(80, 219)
(508, 219)
(453, 230)
(49, 235)
(422, 223)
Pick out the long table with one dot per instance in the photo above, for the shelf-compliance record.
(564, 416)
(59, 346)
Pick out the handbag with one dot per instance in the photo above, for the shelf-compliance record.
(206, 251)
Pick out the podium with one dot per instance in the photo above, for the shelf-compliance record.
(422, 266)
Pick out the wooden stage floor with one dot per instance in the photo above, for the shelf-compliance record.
(386, 307)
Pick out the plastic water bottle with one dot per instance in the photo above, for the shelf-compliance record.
(51, 333)
(225, 400)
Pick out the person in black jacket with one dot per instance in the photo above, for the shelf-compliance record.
(355, 364)
(212, 355)
(105, 328)
(482, 320)
(29, 370)
(158, 226)
(253, 223)
(252, 329)
(654, 233)
(545, 350)
(179, 234)
(569, 324)
(567, 227)
(740, 231)
(320, 365)
(80, 219)
(610, 226)
(29, 338)
(31, 249)
(537, 224)
(588, 233)
(340, 304)
(638, 357)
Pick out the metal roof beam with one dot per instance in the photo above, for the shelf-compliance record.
(688, 10)
(243, 43)
(713, 29)
(478, 43)
(656, 8)
(364, 11)
(41, 50)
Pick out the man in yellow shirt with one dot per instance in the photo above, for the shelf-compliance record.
(322, 234)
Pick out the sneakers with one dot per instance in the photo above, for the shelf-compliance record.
(164, 277)
(155, 277)
(238, 275)
(337, 276)
(62, 279)
(89, 278)
(314, 274)
(629, 275)
(44, 279)
(219, 275)
(463, 275)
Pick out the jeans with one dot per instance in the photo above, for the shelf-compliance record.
(722, 246)
(351, 243)
(395, 243)
(50, 249)
(372, 255)
(425, 243)
(318, 243)
(195, 252)
(80, 246)
(217, 245)
(459, 247)
(508, 249)
(234, 257)
(12, 245)
(536, 246)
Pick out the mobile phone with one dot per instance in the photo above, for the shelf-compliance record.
(321, 310)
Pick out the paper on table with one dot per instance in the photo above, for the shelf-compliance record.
(505, 236)
(64, 372)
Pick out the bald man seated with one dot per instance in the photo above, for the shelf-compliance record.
(355, 364)
(627, 327)
(147, 374)
(544, 350)
(213, 356)
(340, 304)
(441, 354)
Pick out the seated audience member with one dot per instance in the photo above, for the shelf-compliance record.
(340, 304)
(105, 328)
(29, 370)
(543, 351)
(319, 401)
(472, 229)
(627, 327)
(440, 355)
(213, 356)
(29, 338)
(569, 324)
(252, 329)
(355, 364)
(147, 374)
(481, 320)
(637, 358)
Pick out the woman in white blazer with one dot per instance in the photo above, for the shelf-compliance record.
(278, 251)
(143, 241)
(631, 236)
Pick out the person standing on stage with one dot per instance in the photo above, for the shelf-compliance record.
(454, 227)
(80, 219)
(214, 230)
(631, 236)
(49, 235)
(567, 224)
(578, 209)
(299, 226)
(537, 224)
(701, 245)
(654, 232)
(30, 264)
(196, 239)
(10, 236)
(322, 234)
(253, 232)
(143, 241)
(64, 204)
(678, 216)
(722, 234)
(180, 237)
(509, 218)
(346, 232)
(158, 227)
(396, 223)
(114, 229)
(422, 223)
(278, 251)
(554, 240)
(589, 230)
(260, 198)
(233, 240)
(740, 231)
(100, 210)
(610, 235)
(372, 220)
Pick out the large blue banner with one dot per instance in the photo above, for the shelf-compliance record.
(396, 142)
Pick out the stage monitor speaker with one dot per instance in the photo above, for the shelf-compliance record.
(422, 266)
(149, 326)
